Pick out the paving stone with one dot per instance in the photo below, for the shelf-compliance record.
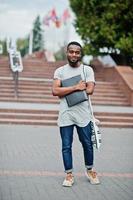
(31, 165)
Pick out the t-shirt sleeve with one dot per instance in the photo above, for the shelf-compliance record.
(57, 74)
(89, 74)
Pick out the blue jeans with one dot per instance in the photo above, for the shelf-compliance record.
(84, 134)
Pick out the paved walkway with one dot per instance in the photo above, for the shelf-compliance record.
(31, 165)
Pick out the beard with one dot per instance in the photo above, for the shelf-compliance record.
(73, 63)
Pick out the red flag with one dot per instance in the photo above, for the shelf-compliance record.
(66, 15)
(53, 15)
(55, 18)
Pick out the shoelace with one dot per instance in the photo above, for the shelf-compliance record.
(93, 174)
(69, 177)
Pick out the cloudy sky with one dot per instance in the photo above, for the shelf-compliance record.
(17, 17)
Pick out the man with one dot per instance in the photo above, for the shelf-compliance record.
(78, 116)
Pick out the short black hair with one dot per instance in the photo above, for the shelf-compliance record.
(74, 43)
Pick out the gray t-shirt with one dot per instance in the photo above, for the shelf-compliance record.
(79, 114)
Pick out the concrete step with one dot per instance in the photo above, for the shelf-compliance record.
(33, 90)
(56, 101)
(49, 117)
(50, 98)
(48, 94)
(28, 122)
(6, 84)
(48, 90)
(48, 87)
(54, 123)
(37, 97)
(36, 116)
(109, 103)
(6, 74)
(36, 81)
(117, 124)
(105, 87)
(121, 119)
(24, 92)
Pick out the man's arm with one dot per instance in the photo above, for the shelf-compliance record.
(90, 87)
(59, 91)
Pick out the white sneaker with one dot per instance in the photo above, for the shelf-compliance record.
(92, 176)
(68, 181)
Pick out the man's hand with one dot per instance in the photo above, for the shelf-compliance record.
(57, 90)
(80, 86)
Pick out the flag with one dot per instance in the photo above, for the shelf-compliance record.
(46, 20)
(58, 23)
(56, 20)
(52, 17)
(65, 16)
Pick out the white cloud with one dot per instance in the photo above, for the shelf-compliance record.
(3, 7)
(15, 23)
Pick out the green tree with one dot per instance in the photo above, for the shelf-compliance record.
(3, 43)
(23, 45)
(106, 24)
(38, 42)
(60, 55)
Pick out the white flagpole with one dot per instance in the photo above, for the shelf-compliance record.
(30, 42)
(68, 27)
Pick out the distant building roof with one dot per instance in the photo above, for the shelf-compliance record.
(86, 59)
(107, 61)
